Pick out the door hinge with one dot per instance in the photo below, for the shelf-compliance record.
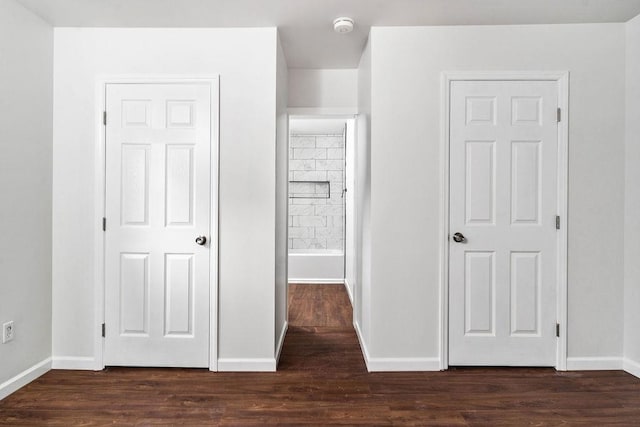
(104, 118)
(558, 330)
(557, 222)
(104, 224)
(103, 330)
(559, 115)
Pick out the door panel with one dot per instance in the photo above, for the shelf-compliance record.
(158, 198)
(480, 188)
(503, 200)
(479, 293)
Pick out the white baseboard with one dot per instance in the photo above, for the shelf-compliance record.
(75, 363)
(24, 378)
(317, 281)
(247, 365)
(631, 367)
(363, 346)
(347, 285)
(280, 343)
(395, 364)
(594, 363)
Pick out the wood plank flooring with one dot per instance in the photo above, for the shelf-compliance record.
(322, 380)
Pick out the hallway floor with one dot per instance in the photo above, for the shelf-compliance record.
(322, 380)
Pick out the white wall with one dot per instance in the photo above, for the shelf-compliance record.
(246, 62)
(632, 201)
(323, 88)
(282, 198)
(405, 174)
(362, 286)
(26, 90)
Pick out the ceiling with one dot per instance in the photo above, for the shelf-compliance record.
(306, 25)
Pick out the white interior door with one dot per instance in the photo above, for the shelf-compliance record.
(503, 201)
(158, 199)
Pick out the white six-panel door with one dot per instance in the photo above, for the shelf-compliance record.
(503, 201)
(158, 194)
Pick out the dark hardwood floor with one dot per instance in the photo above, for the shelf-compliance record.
(322, 380)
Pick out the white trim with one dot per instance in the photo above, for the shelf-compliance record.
(99, 212)
(562, 78)
(24, 378)
(631, 366)
(349, 292)
(316, 281)
(100, 206)
(395, 364)
(403, 364)
(280, 343)
(594, 363)
(444, 225)
(563, 211)
(75, 363)
(246, 365)
(363, 346)
(214, 225)
(327, 112)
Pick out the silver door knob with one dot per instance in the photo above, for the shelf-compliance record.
(459, 238)
(201, 240)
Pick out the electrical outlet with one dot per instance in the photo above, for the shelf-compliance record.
(8, 332)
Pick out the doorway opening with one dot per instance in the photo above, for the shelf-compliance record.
(321, 219)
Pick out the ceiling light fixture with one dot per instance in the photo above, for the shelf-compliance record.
(343, 25)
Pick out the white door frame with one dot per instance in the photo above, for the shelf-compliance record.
(333, 113)
(562, 78)
(100, 206)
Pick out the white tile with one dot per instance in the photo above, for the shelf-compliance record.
(301, 232)
(302, 188)
(329, 165)
(336, 176)
(335, 232)
(309, 244)
(335, 153)
(302, 142)
(329, 142)
(336, 189)
(323, 189)
(309, 176)
(307, 201)
(335, 243)
(329, 210)
(309, 153)
(301, 210)
(335, 220)
(302, 165)
(310, 221)
(335, 199)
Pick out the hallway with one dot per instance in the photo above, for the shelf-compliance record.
(320, 336)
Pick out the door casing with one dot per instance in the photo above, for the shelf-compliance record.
(100, 206)
(562, 79)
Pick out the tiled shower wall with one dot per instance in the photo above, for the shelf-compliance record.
(316, 222)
